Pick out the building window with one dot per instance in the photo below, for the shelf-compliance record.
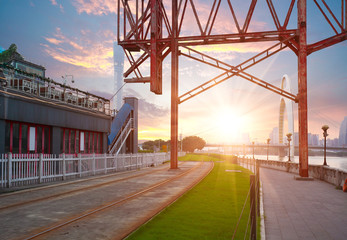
(24, 131)
(100, 143)
(47, 142)
(77, 143)
(15, 138)
(86, 142)
(82, 142)
(66, 141)
(39, 139)
(32, 137)
(7, 136)
(72, 141)
(25, 138)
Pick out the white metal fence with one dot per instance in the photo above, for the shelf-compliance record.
(26, 169)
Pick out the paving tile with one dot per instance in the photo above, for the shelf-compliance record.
(302, 210)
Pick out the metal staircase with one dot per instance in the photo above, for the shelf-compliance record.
(119, 140)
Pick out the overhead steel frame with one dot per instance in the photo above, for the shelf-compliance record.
(146, 28)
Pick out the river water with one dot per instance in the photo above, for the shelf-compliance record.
(334, 162)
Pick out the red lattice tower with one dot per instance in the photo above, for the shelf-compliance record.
(146, 27)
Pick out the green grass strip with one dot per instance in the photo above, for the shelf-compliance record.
(208, 211)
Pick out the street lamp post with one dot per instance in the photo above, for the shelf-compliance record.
(325, 134)
(65, 83)
(253, 149)
(289, 138)
(268, 145)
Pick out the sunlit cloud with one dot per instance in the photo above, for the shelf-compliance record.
(153, 120)
(54, 41)
(153, 133)
(95, 7)
(95, 56)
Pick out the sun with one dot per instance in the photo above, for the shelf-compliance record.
(230, 125)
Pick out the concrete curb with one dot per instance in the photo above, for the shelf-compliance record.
(262, 214)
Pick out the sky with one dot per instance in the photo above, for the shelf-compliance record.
(76, 38)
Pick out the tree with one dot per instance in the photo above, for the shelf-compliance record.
(155, 145)
(193, 142)
(11, 52)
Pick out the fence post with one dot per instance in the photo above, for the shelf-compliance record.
(115, 159)
(258, 187)
(131, 161)
(9, 169)
(94, 164)
(40, 167)
(252, 207)
(64, 167)
(80, 164)
(105, 163)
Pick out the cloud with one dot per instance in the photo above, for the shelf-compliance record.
(95, 55)
(54, 2)
(54, 41)
(153, 119)
(95, 7)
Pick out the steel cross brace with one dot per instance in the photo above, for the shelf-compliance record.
(238, 70)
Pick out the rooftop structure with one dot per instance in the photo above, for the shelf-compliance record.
(33, 84)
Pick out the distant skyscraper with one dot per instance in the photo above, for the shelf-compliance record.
(274, 136)
(118, 57)
(343, 133)
(296, 139)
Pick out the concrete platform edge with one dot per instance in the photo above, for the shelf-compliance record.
(298, 178)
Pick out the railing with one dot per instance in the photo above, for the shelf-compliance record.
(27, 169)
(121, 138)
(46, 88)
(253, 197)
(325, 173)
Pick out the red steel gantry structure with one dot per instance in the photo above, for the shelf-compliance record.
(144, 28)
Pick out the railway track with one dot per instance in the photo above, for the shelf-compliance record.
(53, 195)
(105, 212)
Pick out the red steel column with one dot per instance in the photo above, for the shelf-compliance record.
(174, 87)
(302, 88)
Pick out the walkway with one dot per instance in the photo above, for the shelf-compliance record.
(302, 209)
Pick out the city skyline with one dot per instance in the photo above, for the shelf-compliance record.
(77, 38)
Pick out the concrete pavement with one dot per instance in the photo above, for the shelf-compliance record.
(302, 209)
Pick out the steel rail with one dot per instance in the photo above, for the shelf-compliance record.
(76, 190)
(111, 204)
